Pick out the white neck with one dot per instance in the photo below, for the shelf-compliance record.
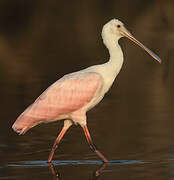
(116, 55)
(110, 69)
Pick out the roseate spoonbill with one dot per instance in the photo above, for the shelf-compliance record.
(74, 94)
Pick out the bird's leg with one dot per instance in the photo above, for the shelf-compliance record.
(67, 124)
(92, 145)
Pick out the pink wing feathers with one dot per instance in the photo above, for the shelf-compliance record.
(66, 95)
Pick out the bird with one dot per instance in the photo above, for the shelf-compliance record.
(73, 95)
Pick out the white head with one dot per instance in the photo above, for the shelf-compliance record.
(114, 30)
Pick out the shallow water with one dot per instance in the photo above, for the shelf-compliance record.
(134, 124)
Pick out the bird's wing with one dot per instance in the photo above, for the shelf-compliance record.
(66, 95)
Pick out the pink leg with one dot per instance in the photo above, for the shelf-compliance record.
(91, 144)
(67, 124)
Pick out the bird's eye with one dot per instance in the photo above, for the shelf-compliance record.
(118, 26)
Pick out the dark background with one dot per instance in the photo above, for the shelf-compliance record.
(41, 40)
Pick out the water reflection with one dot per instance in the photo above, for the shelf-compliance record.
(56, 175)
(98, 172)
(61, 169)
(95, 175)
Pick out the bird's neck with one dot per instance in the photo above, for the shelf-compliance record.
(116, 56)
(110, 70)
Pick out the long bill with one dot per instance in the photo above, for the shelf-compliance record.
(127, 34)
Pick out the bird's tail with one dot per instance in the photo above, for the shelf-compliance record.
(22, 124)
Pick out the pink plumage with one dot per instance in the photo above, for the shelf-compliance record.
(69, 94)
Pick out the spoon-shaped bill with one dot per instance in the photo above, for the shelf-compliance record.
(127, 34)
